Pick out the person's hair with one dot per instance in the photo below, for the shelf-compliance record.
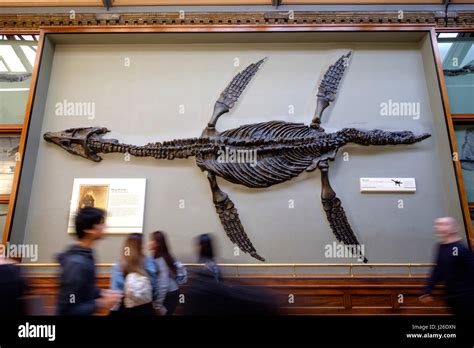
(163, 251)
(133, 259)
(86, 218)
(206, 251)
(453, 224)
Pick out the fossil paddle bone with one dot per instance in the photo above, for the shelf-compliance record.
(283, 151)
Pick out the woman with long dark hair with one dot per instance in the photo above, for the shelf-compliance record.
(205, 252)
(168, 290)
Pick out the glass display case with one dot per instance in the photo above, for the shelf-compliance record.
(465, 141)
(17, 58)
(457, 54)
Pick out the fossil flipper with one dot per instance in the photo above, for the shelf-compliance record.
(335, 213)
(229, 217)
(328, 87)
(232, 92)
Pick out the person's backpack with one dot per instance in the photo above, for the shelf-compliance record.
(181, 273)
(137, 290)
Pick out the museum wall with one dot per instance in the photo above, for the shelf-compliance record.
(141, 103)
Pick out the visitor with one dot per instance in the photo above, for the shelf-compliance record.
(136, 277)
(205, 252)
(78, 294)
(206, 297)
(12, 288)
(168, 291)
(454, 267)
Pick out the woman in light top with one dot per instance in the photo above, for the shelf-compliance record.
(136, 276)
(168, 291)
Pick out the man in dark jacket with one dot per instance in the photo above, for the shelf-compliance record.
(12, 289)
(78, 294)
(454, 267)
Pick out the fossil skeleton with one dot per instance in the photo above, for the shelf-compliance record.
(284, 150)
(466, 69)
(14, 77)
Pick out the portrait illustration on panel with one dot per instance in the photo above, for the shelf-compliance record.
(93, 196)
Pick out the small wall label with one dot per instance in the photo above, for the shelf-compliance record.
(387, 185)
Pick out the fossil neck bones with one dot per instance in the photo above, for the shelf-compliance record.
(283, 150)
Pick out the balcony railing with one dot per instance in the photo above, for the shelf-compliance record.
(293, 267)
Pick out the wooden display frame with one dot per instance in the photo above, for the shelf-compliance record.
(233, 28)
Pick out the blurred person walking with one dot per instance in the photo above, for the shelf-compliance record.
(454, 267)
(12, 288)
(205, 251)
(207, 297)
(136, 277)
(78, 294)
(168, 290)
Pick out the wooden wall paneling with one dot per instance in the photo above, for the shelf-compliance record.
(11, 128)
(462, 117)
(312, 296)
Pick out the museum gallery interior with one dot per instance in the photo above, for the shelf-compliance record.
(316, 141)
